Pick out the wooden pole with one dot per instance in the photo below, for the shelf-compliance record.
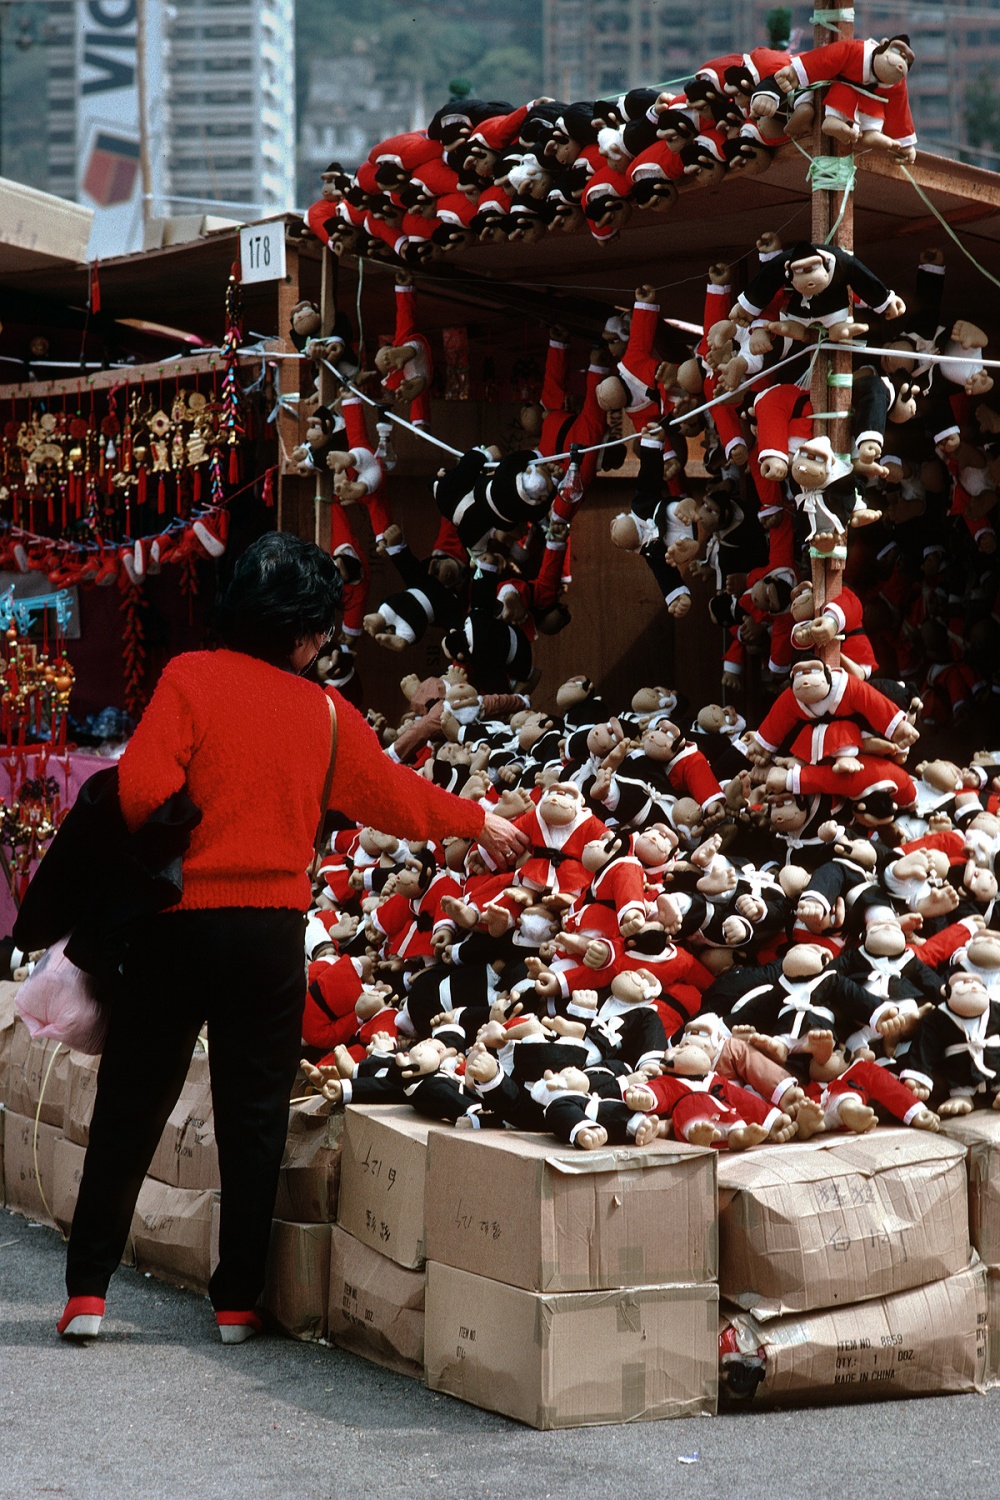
(327, 385)
(827, 573)
(287, 421)
(143, 93)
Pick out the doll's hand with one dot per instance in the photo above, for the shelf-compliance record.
(584, 1000)
(894, 308)
(632, 923)
(598, 954)
(645, 293)
(893, 1027)
(325, 1081)
(382, 1041)
(917, 1089)
(639, 1098)
(480, 1064)
(752, 908)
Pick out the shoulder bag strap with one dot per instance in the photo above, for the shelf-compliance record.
(324, 801)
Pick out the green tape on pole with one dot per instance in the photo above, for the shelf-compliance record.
(842, 380)
(832, 18)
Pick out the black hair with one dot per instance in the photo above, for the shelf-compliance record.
(282, 589)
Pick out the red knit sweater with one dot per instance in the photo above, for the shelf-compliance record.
(251, 744)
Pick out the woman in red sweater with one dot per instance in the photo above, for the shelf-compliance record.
(250, 742)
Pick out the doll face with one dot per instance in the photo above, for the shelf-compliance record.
(660, 742)
(603, 737)
(765, 596)
(966, 995)
(690, 1059)
(655, 844)
(568, 1078)
(410, 879)
(984, 950)
(709, 513)
(560, 805)
(305, 317)
(786, 816)
(804, 961)
(885, 939)
(810, 275)
(809, 683)
(635, 986)
(892, 65)
(981, 884)
(424, 1057)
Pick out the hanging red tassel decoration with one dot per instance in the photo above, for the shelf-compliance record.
(50, 508)
(161, 496)
(234, 466)
(267, 493)
(134, 648)
(196, 485)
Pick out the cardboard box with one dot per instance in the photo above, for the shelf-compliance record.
(979, 1133)
(573, 1359)
(529, 1211)
(186, 1156)
(27, 1167)
(3, 1185)
(37, 1069)
(297, 1288)
(8, 1017)
(376, 1307)
(836, 1220)
(382, 1174)
(993, 1326)
(929, 1341)
(173, 1231)
(309, 1184)
(81, 1092)
(67, 1169)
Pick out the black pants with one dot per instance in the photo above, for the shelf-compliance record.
(242, 970)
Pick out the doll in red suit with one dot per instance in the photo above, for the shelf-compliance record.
(840, 617)
(846, 1088)
(358, 474)
(405, 365)
(705, 1108)
(826, 715)
(638, 368)
(867, 102)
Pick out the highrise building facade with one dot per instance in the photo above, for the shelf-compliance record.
(220, 102)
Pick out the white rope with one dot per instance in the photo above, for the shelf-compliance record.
(400, 421)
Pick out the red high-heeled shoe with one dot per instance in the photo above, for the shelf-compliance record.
(81, 1318)
(237, 1327)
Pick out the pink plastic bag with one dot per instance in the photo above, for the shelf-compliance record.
(58, 1000)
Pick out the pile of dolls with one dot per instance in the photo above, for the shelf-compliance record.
(735, 935)
(916, 494)
(487, 171)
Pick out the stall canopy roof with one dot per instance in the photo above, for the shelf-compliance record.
(564, 277)
(39, 232)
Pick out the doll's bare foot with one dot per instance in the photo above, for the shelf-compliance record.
(498, 919)
(771, 1046)
(865, 515)
(636, 1097)
(925, 1119)
(480, 1064)
(743, 1136)
(563, 1026)
(893, 1027)
(856, 1116)
(703, 1133)
(821, 1045)
(646, 1131)
(591, 1138)
(956, 1105)
(344, 1061)
(460, 912)
(808, 1119)
(491, 1034)
(782, 1130)
(443, 1018)
(668, 914)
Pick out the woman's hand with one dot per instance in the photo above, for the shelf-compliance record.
(502, 841)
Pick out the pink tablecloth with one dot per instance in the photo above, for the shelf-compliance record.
(81, 765)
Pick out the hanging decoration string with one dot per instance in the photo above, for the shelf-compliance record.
(944, 223)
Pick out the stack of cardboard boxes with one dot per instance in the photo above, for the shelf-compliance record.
(565, 1287)
(846, 1271)
(979, 1135)
(556, 1286)
(174, 1231)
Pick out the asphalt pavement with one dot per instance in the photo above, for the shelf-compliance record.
(158, 1409)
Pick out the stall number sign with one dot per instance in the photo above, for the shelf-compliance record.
(262, 252)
